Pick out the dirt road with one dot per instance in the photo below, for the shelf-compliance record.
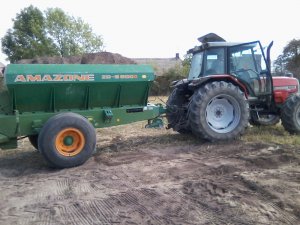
(154, 177)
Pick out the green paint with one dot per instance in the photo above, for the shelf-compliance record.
(66, 73)
(111, 95)
(33, 93)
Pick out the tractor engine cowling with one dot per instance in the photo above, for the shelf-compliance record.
(283, 87)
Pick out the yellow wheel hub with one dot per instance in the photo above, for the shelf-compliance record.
(69, 142)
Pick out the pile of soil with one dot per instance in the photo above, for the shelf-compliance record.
(105, 58)
(89, 58)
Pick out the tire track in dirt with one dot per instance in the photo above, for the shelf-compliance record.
(68, 187)
(270, 179)
(131, 200)
(267, 206)
(104, 208)
(192, 208)
(217, 202)
(74, 214)
(190, 184)
(44, 218)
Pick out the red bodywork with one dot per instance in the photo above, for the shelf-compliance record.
(231, 78)
(283, 87)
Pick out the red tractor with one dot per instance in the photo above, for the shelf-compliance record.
(230, 85)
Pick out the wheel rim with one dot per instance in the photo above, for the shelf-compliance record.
(69, 142)
(268, 118)
(223, 113)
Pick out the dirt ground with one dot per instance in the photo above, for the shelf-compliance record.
(146, 176)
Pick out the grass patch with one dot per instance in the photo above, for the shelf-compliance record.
(271, 134)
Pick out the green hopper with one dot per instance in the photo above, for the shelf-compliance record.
(58, 106)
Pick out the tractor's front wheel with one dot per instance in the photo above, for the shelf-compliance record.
(290, 114)
(67, 140)
(218, 111)
(265, 120)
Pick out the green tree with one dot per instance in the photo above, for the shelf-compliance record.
(162, 83)
(53, 33)
(72, 36)
(27, 38)
(289, 61)
(279, 66)
(186, 64)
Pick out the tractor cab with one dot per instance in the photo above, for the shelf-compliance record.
(244, 62)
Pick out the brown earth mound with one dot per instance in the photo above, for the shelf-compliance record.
(89, 58)
(105, 58)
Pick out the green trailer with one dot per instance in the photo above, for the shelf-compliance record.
(58, 106)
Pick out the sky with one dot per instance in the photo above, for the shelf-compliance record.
(162, 28)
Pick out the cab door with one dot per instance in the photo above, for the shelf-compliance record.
(247, 62)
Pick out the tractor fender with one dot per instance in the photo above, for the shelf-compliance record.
(195, 84)
(180, 84)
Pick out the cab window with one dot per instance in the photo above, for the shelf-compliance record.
(214, 61)
(196, 66)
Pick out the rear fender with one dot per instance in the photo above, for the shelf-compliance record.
(180, 84)
(195, 84)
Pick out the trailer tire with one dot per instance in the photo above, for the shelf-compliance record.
(290, 114)
(33, 139)
(67, 140)
(218, 111)
(175, 113)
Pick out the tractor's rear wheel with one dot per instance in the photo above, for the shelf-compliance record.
(290, 114)
(176, 114)
(265, 120)
(218, 111)
(67, 140)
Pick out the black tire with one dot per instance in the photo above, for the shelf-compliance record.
(218, 111)
(175, 112)
(290, 114)
(33, 139)
(265, 120)
(61, 128)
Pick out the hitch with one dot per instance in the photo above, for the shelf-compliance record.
(155, 123)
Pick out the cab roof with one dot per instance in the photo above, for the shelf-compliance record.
(212, 45)
(212, 40)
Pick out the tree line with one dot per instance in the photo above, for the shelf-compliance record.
(289, 60)
(49, 33)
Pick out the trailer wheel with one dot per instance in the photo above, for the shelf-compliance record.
(67, 140)
(290, 114)
(33, 139)
(218, 111)
(175, 114)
